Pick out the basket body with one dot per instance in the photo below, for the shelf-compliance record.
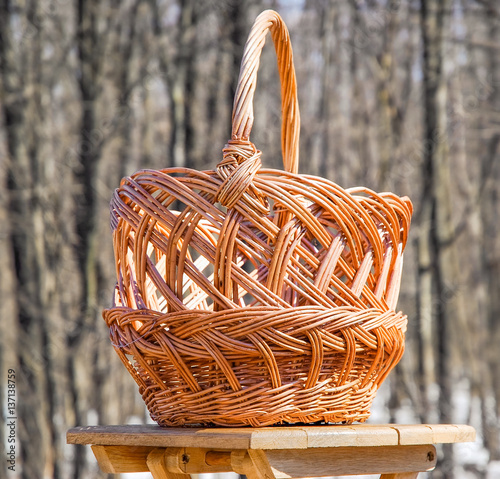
(248, 296)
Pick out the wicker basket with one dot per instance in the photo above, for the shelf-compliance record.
(250, 296)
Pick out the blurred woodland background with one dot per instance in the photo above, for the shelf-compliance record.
(395, 95)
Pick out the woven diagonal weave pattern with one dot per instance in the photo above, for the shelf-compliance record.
(249, 296)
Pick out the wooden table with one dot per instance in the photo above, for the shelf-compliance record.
(395, 451)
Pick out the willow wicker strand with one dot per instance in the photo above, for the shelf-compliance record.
(250, 296)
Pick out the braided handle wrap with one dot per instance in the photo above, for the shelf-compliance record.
(241, 160)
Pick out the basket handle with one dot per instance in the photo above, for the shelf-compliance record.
(242, 121)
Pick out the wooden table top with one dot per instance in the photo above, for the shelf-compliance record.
(269, 438)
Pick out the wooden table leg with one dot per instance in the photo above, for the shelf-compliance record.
(401, 475)
(252, 463)
(118, 459)
(157, 466)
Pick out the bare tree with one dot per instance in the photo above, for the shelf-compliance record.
(396, 95)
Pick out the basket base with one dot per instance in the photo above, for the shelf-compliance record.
(350, 405)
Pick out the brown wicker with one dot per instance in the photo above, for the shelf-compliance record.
(250, 296)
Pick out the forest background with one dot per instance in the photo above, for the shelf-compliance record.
(395, 95)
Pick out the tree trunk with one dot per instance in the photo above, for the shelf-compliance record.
(437, 212)
(488, 195)
(19, 78)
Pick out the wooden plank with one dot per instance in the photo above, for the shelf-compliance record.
(434, 434)
(321, 462)
(156, 436)
(278, 438)
(414, 434)
(465, 433)
(269, 438)
(357, 435)
(117, 459)
(450, 433)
